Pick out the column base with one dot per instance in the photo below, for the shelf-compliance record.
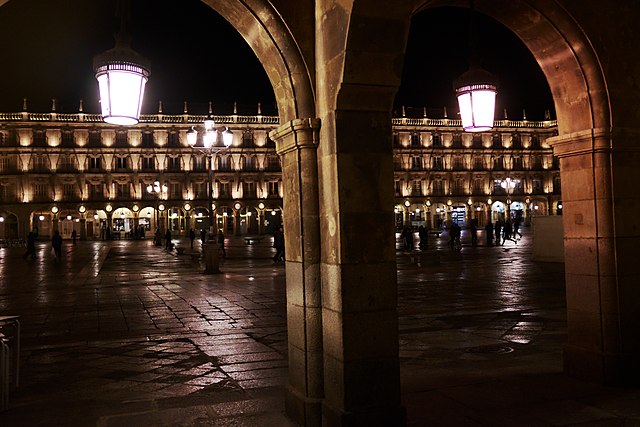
(303, 410)
(611, 369)
(378, 416)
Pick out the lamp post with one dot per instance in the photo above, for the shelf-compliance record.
(157, 190)
(509, 184)
(208, 145)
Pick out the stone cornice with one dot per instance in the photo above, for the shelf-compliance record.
(598, 140)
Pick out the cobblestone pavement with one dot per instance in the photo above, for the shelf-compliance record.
(125, 334)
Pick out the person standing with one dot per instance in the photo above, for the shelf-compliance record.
(474, 233)
(454, 236)
(424, 237)
(74, 235)
(31, 246)
(56, 243)
(278, 243)
(489, 230)
(407, 238)
(221, 242)
(498, 231)
(167, 240)
(192, 236)
(203, 235)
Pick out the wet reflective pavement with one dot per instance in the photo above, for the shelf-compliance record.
(125, 334)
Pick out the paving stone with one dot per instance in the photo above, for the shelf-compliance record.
(122, 333)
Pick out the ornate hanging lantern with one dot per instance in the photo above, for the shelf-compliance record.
(122, 74)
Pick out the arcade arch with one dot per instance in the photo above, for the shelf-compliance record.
(354, 102)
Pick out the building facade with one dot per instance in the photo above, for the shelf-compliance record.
(75, 172)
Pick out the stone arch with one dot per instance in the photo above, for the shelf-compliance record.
(564, 53)
(264, 29)
(355, 98)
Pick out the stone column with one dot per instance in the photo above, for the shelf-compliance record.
(406, 217)
(83, 227)
(261, 222)
(109, 226)
(296, 143)
(136, 222)
(359, 284)
(236, 223)
(601, 241)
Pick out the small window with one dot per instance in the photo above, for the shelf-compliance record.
(95, 163)
(225, 189)
(174, 139)
(274, 189)
(147, 139)
(437, 140)
(122, 163)
(249, 189)
(148, 163)
(68, 190)
(122, 139)
(247, 139)
(175, 190)
(173, 163)
(438, 163)
(122, 190)
(416, 162)
(200, 164)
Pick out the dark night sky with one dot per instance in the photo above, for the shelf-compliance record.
(47, 49)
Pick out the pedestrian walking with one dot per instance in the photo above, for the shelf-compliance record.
(56, 244)
(192, 236)
(221, 243)
(203, 235)
(278, 243)
(489, 231)
(507, 233)
(516, 227)
(74, 235)
(31, 246)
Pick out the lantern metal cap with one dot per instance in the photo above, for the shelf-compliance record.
(122, 57)
(476, 78)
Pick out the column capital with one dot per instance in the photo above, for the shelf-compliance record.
(296, 134)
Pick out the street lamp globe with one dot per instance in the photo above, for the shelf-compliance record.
(192, 136)
(210, 138)
(227, 137)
